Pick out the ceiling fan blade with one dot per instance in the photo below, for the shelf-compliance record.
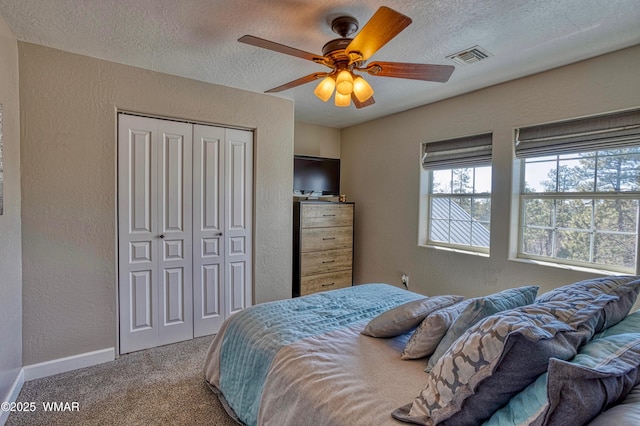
(298, 82)
(425, 72)
(281, 48)
(359, 104)
(384, 25)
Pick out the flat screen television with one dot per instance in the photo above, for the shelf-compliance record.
(316, 175)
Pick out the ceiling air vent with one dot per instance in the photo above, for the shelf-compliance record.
(470, 56)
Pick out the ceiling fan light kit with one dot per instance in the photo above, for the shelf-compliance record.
(325, 88)
(345, 55)
(362, 89)
(342, 100)
(344, 83)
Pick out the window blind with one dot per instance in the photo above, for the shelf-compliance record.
(609, 131)
(469, 151)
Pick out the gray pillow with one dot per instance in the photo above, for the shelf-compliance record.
(426, 337)
(494, 360)
(403, 318)
(574, 392)
(627, 412)
(626, 289)
(603, 373)
(479, 308)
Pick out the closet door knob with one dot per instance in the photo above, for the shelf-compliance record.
(161, 236)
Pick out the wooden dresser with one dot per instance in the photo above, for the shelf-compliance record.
(322, 246)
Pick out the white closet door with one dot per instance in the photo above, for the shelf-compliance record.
(185, 229)
(239, 207)
(154, 206)
(222, 243)
(175, 231)
(208, 228)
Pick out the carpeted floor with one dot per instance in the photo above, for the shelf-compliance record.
(159, 386)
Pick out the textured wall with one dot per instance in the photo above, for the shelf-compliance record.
(68, 105)
(317, 141)
(10, 242)
(381, 171)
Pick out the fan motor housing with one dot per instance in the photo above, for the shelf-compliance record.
(344, 26)
(333, 46)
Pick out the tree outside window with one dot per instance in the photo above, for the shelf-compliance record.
(582, 208)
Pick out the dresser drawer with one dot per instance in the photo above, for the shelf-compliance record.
(314, 239)
(322, 282)
(323, 215)
(320, 262)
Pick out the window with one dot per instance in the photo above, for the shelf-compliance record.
(580, 192)
(457, 202)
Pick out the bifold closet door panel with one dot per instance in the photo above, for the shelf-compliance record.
(208, 227)
(155, 232)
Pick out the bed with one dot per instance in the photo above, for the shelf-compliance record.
(306, 360)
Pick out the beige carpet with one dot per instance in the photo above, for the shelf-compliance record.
(159, 386)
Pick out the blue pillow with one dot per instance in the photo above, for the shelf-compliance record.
(631, 324)
(525, 408)
(478, 309)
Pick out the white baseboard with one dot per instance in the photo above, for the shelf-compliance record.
(62, 365)
(12, 396)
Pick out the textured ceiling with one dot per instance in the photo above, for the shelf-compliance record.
(198, 39)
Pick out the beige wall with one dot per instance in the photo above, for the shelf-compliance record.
(381, 172)
(10, 240)
(317, 141)
(68, 106)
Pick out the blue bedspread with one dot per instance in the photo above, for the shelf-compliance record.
(254, 336)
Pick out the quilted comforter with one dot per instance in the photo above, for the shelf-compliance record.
(304, 361)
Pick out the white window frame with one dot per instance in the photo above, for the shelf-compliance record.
(466, 152)
(598, 133)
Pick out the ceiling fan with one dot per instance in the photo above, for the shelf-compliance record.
(345, 55)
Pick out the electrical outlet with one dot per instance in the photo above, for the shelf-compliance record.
(405, 280)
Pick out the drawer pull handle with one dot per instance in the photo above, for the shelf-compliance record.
(332, 238)
(328, 285)
(329, 215)
(328, 261)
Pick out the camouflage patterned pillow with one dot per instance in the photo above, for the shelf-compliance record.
(495, 359)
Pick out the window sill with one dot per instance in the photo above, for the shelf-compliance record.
(570, 267)
(454, 250)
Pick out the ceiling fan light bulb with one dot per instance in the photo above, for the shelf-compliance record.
(344, 83)
(342, 100)
(325, 88)
(362, 89)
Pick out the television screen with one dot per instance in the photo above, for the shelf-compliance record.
(316, 175)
